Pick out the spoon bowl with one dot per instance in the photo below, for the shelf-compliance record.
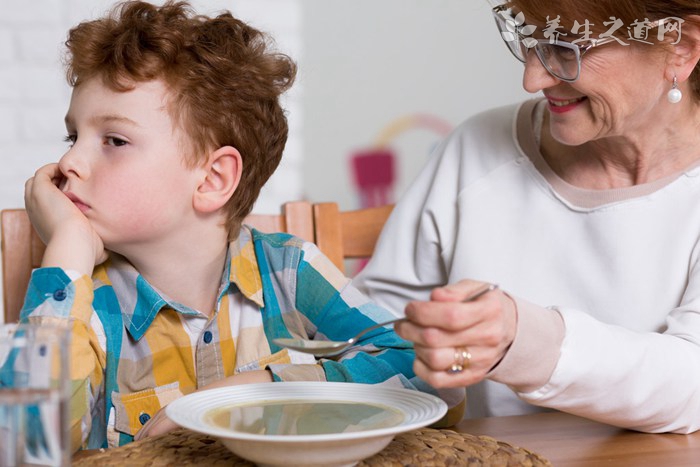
(322, 348)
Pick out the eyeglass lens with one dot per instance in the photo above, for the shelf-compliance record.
(560, 59)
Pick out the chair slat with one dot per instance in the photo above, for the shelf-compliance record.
(17, 239)
(345, 235)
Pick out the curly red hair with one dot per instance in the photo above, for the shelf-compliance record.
(224, 81)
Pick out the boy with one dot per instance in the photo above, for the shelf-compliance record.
(174, 126)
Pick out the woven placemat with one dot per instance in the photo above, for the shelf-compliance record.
(424, 447)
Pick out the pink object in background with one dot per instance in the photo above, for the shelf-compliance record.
(374, 169)
(374, 176)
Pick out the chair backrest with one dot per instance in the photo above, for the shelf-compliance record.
(345, 235)
(22, 249)
(296, 218)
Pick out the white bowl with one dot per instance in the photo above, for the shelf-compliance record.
(306, 423)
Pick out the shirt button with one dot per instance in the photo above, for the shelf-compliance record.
(143, 418)
(60, 295)
(207, 337)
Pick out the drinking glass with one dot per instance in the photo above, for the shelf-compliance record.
(34, 395)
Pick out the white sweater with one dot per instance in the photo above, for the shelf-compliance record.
(615, 334)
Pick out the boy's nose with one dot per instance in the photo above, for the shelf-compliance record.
(73, 163)
(535, 76)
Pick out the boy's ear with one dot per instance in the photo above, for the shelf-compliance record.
(221, 176)
(686, 53)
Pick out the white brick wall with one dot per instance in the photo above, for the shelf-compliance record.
(34, 95)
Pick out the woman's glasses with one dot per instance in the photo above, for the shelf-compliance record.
(561, 59)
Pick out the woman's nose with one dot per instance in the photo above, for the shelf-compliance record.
(536, 77)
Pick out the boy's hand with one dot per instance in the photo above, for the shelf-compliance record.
(161, 424)
(71, 242)
(158, 425)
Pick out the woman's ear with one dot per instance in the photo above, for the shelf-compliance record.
(221, 176)
(685, 48)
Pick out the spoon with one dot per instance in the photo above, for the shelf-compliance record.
(320, 347)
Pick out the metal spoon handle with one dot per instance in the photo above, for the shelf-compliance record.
(480, 292)
(352, 340)
(474, 296)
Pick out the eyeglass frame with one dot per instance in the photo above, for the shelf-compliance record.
(578, 49)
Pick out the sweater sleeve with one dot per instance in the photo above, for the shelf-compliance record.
(533, 355)
(646, 381)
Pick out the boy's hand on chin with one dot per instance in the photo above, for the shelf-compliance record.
(71, 242)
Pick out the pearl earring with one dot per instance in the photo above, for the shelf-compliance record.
(675, 95)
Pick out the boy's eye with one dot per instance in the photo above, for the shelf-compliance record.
(70, 139)
(114, 141)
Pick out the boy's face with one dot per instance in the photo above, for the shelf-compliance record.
(125, 169)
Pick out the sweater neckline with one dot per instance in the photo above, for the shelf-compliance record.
(528, 124)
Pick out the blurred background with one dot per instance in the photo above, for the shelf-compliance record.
(380, 83)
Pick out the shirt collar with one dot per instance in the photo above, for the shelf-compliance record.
(244, 270)
(140, 302)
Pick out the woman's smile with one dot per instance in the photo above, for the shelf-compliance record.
(564, 105)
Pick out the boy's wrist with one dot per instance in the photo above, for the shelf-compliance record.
(68, 251)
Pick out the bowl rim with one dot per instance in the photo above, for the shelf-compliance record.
(284, 391)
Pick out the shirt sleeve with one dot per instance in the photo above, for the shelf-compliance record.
(335, 310)
(65, 297)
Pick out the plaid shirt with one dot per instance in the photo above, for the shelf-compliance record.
(134, 350)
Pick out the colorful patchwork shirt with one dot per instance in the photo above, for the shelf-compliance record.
(134, 350)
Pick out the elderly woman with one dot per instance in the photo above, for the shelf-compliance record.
(584, 207)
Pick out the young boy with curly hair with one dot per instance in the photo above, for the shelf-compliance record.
(174, 126)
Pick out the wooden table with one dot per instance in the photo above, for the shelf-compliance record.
(567, 440)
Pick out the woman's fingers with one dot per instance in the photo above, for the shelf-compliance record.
(444, 377)
(459, 291)
(432, 337)
(457, 342)
(439, 324)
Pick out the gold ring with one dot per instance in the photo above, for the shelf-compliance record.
(461, 361)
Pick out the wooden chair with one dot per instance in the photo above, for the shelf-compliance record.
(296, 218)
(22, 249)
(345, 235)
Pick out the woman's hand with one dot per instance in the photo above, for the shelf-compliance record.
(446, 326)
(160, 423)
(71, 242)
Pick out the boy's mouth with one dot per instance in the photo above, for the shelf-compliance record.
(77, 201)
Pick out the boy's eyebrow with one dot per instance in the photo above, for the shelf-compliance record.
(109, 118)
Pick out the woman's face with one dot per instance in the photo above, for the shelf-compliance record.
(620, 93)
